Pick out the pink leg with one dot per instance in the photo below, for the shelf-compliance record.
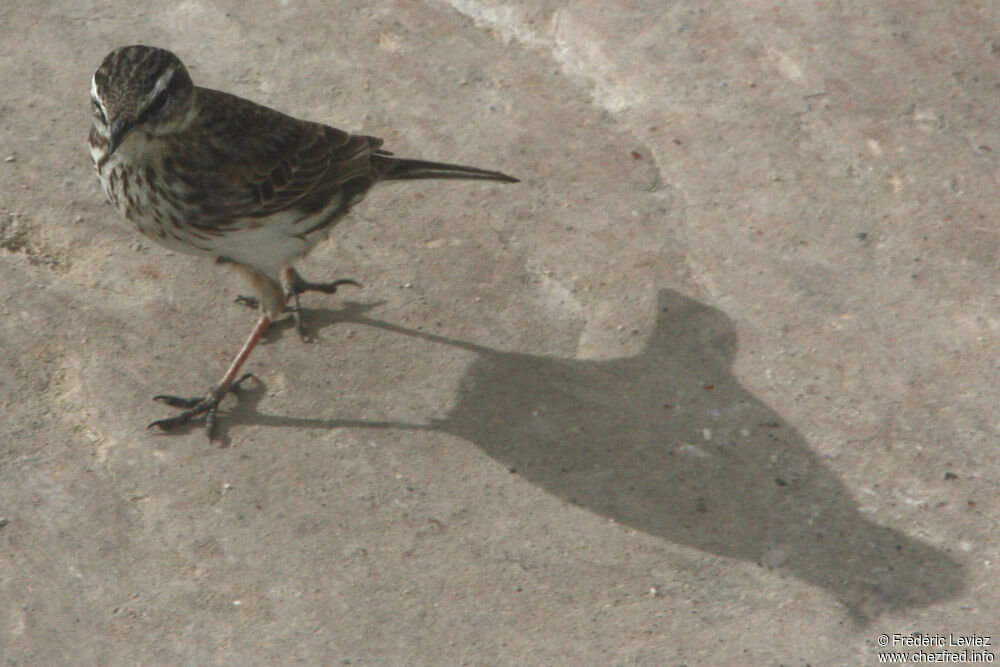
(208, 404)
(262, 324)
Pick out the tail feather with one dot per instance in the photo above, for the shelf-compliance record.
(402, 169)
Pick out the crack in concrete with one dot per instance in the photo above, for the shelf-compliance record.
(507, 22)
(584, 66)
(503, 19)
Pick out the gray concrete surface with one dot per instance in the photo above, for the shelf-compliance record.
(715, 385)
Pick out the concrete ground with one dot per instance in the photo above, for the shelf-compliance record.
(716, 384)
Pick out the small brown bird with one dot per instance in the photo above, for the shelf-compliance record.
(208, 173)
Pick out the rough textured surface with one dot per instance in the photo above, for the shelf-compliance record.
(715, 385)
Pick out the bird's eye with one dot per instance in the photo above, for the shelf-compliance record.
(158, 102)
(98, 111)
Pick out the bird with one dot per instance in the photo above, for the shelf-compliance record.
(208, 173)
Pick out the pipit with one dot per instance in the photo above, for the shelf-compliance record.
(207, 173)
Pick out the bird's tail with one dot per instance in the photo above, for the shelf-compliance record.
(402, 169)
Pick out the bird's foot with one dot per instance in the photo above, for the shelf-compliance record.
(207, 405)
(295, 286)
(298, 286)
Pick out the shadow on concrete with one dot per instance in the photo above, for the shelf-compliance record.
(669, 443)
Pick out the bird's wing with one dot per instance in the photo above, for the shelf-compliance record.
(268, 162)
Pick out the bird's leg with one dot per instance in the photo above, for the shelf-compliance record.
(208, 404)
(295, 285)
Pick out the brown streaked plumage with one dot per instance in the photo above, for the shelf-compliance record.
(208, 173)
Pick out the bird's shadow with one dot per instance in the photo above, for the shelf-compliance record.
(669, 443)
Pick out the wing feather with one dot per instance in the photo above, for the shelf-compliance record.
(263, 162)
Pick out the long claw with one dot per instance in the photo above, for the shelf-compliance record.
(300, 286)
(170, 423)
(178, 401)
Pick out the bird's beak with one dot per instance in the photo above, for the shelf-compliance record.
(119, 128)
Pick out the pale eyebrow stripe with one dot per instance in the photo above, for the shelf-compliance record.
(95, 97)
(163, 82)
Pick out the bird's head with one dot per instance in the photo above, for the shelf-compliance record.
(140, 89)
